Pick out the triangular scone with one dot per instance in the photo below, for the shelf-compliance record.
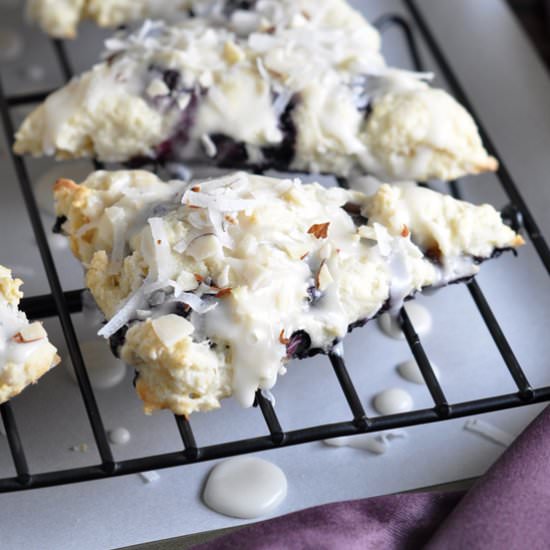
(309, 94)
(25, 352)
(213, 286)
(60, 18)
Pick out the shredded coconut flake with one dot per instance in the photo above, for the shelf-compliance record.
(196, 303)
(161, 247)
(489, 431)
(218, 202)
(209, 146)
(129, 308)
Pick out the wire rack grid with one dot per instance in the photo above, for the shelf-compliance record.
(63, 304)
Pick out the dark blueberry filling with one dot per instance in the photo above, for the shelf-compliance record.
(160, 210)
(368, 110)
(228, 151)
(57, 226)
(433, 253)
(495, 254)
(281, 156)
(181, 309)
(138, 162)
(168, 149)
(234, 5)
(171, 78)
(298, 344)
(354, 211)
(313, 295)
(512, 217)
(112, 58)
(116, 341)
(233, 154)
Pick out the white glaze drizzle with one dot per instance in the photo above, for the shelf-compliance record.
(149, 477)
(375, 444)
(104, 369)
(489, 431)
(419, 316)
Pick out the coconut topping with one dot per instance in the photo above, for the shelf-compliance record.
(292, 271)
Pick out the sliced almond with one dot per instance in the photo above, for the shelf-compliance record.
(157, 88)
(30, 333)
(183, 100)
(282, 337)
(65, 183)
(324, 277)
(223, 292)
(172, 328)
(319, 230)
(232, 53)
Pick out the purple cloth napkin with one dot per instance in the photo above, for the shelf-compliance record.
(508, 508)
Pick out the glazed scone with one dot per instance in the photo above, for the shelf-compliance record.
(303, 96)
(215, 285)
(60, 18)
(25, 352)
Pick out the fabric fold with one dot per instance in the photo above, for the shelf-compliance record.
(508, 507)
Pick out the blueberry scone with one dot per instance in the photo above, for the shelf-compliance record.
(309, 94)
(25, 352)
(60, 18)
(209, 288)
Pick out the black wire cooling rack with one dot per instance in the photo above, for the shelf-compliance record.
(63, 304)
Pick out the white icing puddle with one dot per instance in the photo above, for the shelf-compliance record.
(270, 397)
(393, 401)
(410, 371)
(43, 187)
(104, 369)
(119, 436)
(245, 487)
(488, 431)
(377, 444)
(420, 318)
